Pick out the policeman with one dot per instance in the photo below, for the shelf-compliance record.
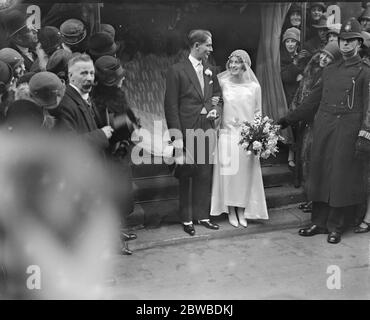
(341, 137)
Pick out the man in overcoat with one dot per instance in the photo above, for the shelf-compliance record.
(191, 85)
(21, 37)
(79, 116)
(76, 113)
(341, 137)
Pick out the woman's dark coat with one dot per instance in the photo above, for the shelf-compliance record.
(111, 102)
(311, 77)
(289, 72)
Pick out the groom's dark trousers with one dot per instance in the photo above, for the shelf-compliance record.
(195, 192)
(184, 102)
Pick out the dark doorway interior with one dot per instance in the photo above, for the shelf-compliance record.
(162, 28)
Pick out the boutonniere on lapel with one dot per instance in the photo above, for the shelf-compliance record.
(208, 73)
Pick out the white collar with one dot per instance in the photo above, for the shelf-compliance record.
(84, 96)
(26, 51)
(194, 62)
(23, 49)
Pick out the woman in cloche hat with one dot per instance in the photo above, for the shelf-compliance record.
(311, 76)
(291, 69)
(112, 105)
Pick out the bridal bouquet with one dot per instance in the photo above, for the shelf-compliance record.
(260, 137)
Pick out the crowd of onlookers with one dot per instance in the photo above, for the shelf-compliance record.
(81, 75)
(301, 68)
(46, 82)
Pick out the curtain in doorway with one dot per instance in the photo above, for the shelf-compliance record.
(274, 104)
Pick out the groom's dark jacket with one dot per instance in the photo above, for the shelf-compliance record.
(184, 99)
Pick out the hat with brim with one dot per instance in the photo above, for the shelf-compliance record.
(351, 35)
(365, 15)
(351, 30)
(318, 4)
(332, 49)
(366, 36)
(333, 30)
(109, 70)
(294, 8)
(58, 61)
(15, 21)
(73, 31)
(292, 33)
(108, 28)
(102, 44)
(45, 87)
(50, 39)
(11, 57)
(6, 74)
(322, 23)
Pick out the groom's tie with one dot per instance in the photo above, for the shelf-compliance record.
(200, 75)
(201, 81)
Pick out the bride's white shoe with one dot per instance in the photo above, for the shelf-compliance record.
(233, 219)
(243, 222)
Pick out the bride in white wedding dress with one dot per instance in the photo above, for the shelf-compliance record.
(237, 177)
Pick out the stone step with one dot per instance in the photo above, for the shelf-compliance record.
(166, 186)
(166, 210)
(172, 234)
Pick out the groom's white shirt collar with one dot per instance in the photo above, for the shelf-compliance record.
(194, 62)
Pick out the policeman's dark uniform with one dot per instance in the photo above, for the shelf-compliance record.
(340, 103)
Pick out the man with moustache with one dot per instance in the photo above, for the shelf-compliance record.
(76, 113)
(191, 103)
(341, 138)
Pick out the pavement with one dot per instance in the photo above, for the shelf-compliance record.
(168, 234)
(265, 265)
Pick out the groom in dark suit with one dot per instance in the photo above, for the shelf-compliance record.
(192, 103)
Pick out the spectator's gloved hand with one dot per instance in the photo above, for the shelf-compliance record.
(362, 150)
(303, 54)
(283, 123)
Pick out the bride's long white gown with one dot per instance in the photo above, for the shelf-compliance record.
(237, 176)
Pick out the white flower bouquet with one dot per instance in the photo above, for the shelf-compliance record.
(260, 137)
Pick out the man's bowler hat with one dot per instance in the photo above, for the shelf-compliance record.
(73, 31)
